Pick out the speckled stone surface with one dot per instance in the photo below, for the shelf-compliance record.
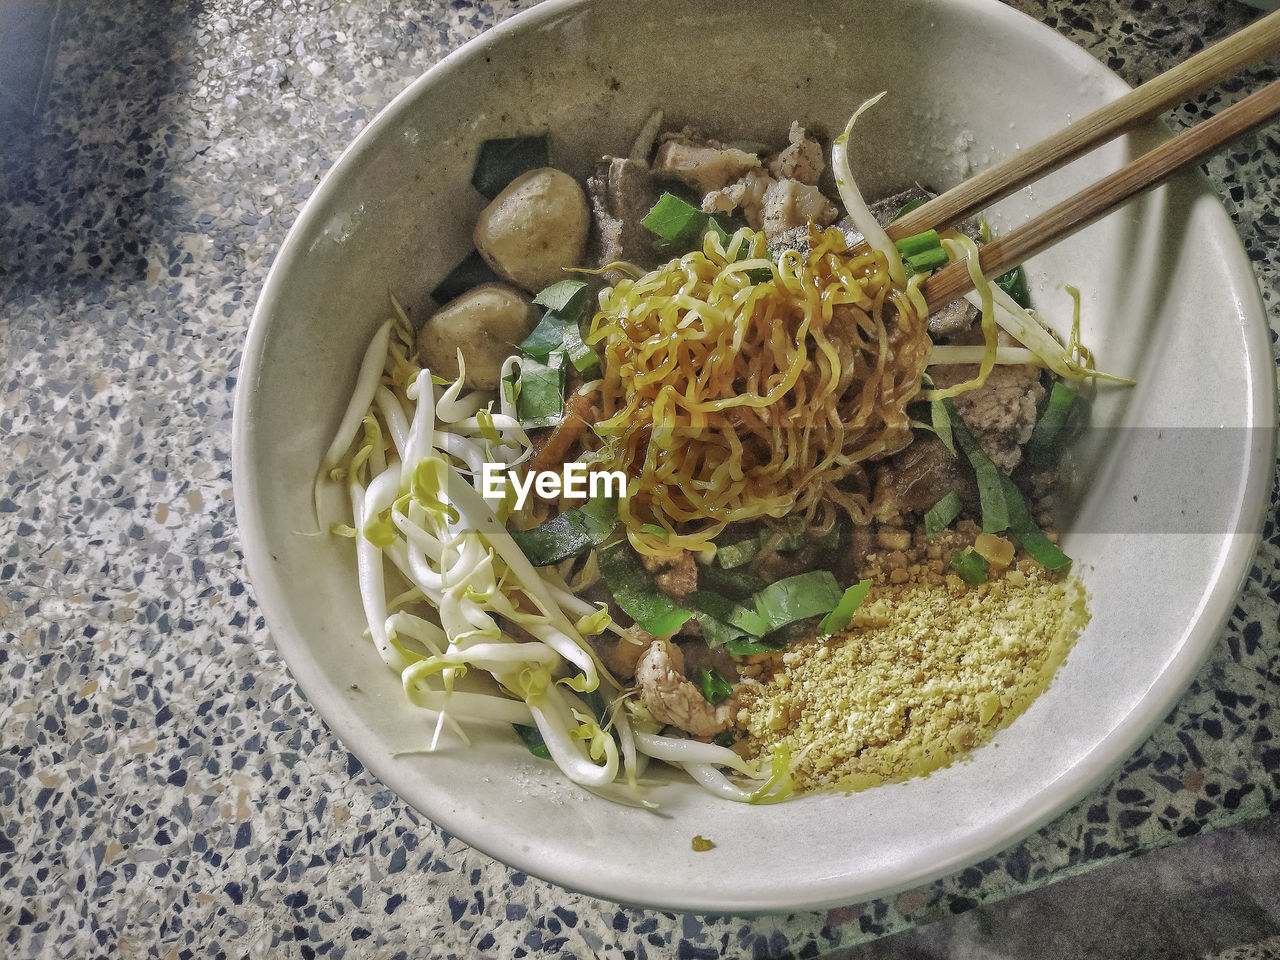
(165, 789)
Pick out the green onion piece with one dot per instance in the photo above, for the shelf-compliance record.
(471, 272)
(840, 617)
(971, 566)
(503, 159)
(1042, 449)
(637, 593)
(569, 534)
(1025, 531)
(941, 514)
(1014, 283)
(531, 737)
(811, 594)
(926, 261)
(995, 514)
(715, 688)
(680, 226)
(919, 243)
(654, 530)
(567, 298)
(540, 402)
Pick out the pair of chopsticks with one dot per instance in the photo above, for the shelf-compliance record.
(1218, 62)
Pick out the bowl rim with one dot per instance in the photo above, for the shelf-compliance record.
(1013, 825)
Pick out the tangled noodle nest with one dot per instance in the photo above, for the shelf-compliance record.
(726, 396)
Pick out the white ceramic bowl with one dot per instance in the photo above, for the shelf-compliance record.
(1168, 298)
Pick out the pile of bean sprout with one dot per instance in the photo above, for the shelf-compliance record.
(447, 592)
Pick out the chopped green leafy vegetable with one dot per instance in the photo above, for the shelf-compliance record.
(714, 687)
(637, 593)
(540, 401)
(995, 515)
(567, 298)
(941, 514)
(1002, 505)
(971, 566)
(735, 584)
(471, 272)
(560, 327)
(811, 594)
(1025, 531)
(908, 207)
(842, 615)
(1042, 448)
(569, 534)
(503, 159)
(531, 737)
(680, 226)
(727, 611)
(738, 554)
(1014, 283)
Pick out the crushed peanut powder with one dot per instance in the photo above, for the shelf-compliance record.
(930, 668)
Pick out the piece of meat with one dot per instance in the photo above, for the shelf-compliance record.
(913, 480)
(789, 203)
(800, 160)
(622, 192)
(703, 164)
(1000, 413)
(675, 576)
(673, 700)
(956, 317)
(746, 194)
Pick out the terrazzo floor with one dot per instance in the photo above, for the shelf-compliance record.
(165, 789)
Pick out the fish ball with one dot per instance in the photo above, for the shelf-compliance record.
(535, 228)
(486, 323)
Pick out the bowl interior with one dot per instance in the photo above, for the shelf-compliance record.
(1168, 298)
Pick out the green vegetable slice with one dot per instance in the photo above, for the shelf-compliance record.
(680, 226)
(971, 566)
(919, 243)
(540, 401)
(941, 514)
(842, 615)
(908, 207)
(1042, 449)
(714, 687)
(503, 159)
(727, 611)
(811, 594)
(1014, 283)
(734, 584)
(566, 298)
(471, 272)
(637, 593)
(569, 534)
(531, 737)
(995, 515)
(1027, 533)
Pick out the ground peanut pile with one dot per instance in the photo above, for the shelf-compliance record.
(929, 669)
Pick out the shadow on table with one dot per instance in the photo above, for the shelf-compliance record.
(84, 144)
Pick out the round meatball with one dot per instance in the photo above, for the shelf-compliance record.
(535, 228)
(486, 323)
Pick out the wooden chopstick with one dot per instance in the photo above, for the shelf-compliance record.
(1105, 195)
(1218, 62)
